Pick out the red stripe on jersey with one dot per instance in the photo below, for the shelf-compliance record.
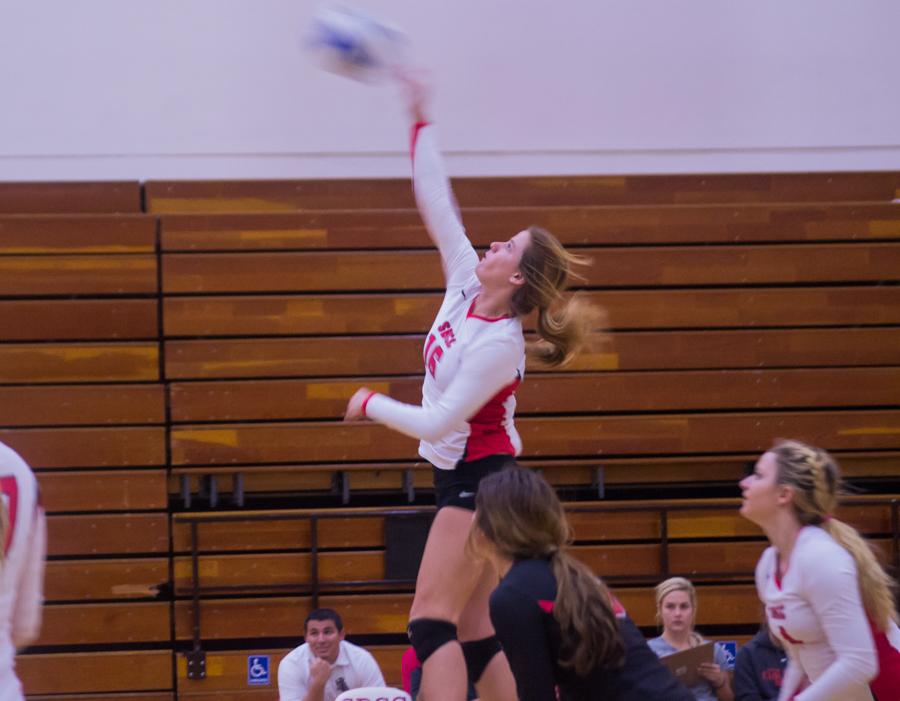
(887, 684)
(10, 489)
(785, 636)
(777, 573)
(472, 315)
(546, 606)
(414, 137)
(487, 434)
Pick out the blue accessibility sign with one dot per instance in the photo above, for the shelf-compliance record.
(730, 649)
(258, 670)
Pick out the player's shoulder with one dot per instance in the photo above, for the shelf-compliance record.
(11, 461)
(501, 336)
(766, 563)
(815, 548)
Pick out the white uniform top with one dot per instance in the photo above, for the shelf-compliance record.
(22, 569)
(817, 613)
(353, 668)
(472, 364)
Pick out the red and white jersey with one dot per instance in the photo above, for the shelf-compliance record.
(22, 568)
(472, 364)
(816, 611)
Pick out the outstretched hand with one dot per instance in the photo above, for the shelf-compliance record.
(354, 410)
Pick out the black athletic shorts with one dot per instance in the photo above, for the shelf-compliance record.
(457, 487)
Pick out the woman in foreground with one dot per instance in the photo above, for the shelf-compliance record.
(563, 633)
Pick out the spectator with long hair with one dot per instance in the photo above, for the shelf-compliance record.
(676, 610)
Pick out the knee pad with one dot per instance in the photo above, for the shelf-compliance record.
(478, 654)
(428, 634)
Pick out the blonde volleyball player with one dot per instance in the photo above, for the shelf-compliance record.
(827, 599)
(474, 357)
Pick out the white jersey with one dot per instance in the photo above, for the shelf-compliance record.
(22, 568)
(472, 364)
(353, 668)
(817, 613)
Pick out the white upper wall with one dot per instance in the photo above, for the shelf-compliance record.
(110, 89)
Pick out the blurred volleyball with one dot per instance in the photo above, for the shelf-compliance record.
(352, 43)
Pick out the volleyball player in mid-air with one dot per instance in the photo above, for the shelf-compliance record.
(474, 356)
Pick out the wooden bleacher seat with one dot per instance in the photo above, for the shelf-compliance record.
(403, 313)
(79, 319)
(570, 393)
(70, 198)
(108, 533)
(97, 672)
(105, 624)
(138, 696)
(166, 197)
(243, 358)
(105, 579)
(613, 267)
(77, 447)
(103, 490)
(617, 435)
(88, 404)
(573, 225)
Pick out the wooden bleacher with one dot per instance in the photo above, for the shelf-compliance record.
(207, 343)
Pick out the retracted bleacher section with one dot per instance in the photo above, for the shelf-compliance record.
(180, 353)
(82, 399)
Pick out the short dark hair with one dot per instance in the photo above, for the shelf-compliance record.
(324, 615)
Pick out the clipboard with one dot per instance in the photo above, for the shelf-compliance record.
(683, 664)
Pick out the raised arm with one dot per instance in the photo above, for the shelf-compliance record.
(434, 196)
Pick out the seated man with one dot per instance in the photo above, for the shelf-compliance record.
(325, 665)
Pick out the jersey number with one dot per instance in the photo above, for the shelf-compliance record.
(433, 352)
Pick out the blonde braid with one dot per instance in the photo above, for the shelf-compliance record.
(815, 477)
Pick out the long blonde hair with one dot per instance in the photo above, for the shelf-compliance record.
(673, 584)
(816, 480)
(521, 517)
(566, 325)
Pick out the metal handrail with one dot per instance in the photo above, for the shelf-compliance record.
(196, 658)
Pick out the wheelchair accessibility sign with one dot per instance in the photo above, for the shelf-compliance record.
(258, 670)
(730, 649)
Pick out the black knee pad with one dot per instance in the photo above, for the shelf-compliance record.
(478, 654)
(428, 634)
